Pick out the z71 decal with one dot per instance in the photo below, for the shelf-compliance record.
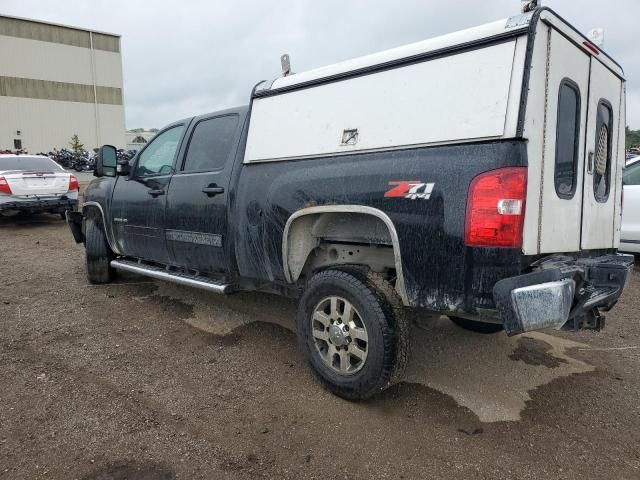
(411, 189)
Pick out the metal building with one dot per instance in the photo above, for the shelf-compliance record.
(57, 81)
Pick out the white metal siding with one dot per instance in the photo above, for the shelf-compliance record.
(534, 133)
(621, 161)
(25, 58)
(459, 97)
(111, 121)
(598, 218)
(566, 61)
(48, 114)
(108, 69)
(45, 124)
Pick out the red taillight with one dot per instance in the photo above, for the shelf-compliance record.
(591, 47)
(4, 186)
(73, 183)
(495, 208)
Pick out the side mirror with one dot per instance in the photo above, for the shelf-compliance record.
(106, 162)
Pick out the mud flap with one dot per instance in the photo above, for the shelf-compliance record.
(74, 220)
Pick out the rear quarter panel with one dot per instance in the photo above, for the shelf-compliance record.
(440, 272)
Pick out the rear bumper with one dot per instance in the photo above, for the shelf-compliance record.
(562, 292)
(54, 205)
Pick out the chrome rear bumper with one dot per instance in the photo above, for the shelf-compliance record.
(562, 292)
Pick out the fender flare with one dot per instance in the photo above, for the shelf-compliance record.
(400, 284)
(108, 232)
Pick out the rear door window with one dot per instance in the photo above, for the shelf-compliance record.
(567, 139)
(211, 143)
(602, 154)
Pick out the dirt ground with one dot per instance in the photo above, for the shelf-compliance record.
(143, 380)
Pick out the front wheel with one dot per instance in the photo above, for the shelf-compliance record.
(348, 331)
(98, 254)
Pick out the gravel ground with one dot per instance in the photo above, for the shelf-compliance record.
(143, 380)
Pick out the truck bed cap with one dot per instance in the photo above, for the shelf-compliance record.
(462, 39)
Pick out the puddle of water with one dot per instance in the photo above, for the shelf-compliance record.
(487, 373)
(491, 375)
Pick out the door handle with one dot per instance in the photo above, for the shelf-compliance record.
(154, 193)
(590, 163)
(212, 190)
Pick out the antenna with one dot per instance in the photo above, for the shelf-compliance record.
(286, 65)
(528, 5)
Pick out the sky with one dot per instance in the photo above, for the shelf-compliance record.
(183, 58)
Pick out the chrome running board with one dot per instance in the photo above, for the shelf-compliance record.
(159, 273)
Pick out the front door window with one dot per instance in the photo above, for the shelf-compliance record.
(157, 158)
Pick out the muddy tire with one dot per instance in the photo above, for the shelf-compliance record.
(350, 333)
(478, 327)
(98, 254)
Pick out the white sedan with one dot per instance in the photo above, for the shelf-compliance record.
(630, 234)
(32, 184)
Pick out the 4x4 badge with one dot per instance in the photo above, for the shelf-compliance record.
(411, 189)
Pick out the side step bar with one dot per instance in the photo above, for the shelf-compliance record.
(174, 277)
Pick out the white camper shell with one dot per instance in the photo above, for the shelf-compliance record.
(531, 77)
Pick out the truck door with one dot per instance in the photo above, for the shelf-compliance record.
(580, 150)
(196, 222)
(139, 200)
(603, 129)
(563, 168)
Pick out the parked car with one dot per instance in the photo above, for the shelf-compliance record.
(449, 176)
(630, 233)
(34, 184)
(632, 159)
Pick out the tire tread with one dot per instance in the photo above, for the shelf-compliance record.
(98, 254)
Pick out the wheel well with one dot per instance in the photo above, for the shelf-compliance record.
(93, 211)
(317, 239)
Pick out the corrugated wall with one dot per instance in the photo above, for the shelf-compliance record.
(47, 75)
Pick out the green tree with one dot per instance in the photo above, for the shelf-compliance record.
(75, 143)
(633, 138)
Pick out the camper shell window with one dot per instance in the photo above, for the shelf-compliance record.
(567, 139)
(602, 154)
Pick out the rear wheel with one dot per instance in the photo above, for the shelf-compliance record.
(98, 254)
(348, 331)
(478, 327)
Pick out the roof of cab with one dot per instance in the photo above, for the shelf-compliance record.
(241, 110)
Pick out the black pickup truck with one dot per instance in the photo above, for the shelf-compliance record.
(363, 213)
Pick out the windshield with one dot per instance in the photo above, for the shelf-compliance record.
(28, 163)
